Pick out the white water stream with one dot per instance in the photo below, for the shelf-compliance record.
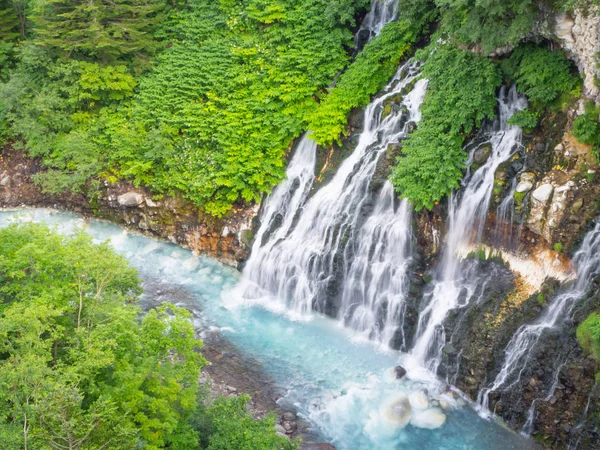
(295, 268)
(522, 345)
(466, 219)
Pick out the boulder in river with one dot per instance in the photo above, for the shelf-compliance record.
(419, 400)
(400, 372)
(398, 411)
(429, 418)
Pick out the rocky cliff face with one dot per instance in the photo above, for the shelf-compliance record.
(170, 218)
(579, 35)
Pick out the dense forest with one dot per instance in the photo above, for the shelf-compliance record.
(204, 99)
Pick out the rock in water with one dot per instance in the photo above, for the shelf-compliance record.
(430, 418)
(130, 199)
(400, 372)
(482, 154)
(419, 400)
(398, 410)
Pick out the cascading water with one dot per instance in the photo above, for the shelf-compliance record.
(302, 268)
(381, 13)
(375, 287)
(520, 348)
(450, 288)
(280, 209)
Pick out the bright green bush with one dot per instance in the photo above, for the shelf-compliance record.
(460, 94)
(526, 119)
(542, 75)
(77, 365)
(370, 71)
(234, 428)
(588, 335)
(216, 115)
(586, 127)
(489, 23)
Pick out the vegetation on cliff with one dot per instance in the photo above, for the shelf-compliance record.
(82, 368)
(203, 98)
(588, 335)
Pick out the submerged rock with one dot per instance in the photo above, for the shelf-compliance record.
(429, 419)
(398, 411)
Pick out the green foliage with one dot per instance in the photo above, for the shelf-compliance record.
(542, 75)
(369, 72)
(80, 369)
(234, 428)
(106, 30)
(54, 109)
(488, 23)
(77, 367)
(588, 335)
(558, 247)
(586, 127)
(526, 119)
(460, 94)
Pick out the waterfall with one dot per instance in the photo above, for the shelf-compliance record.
(520, 348)
(381, 13)
(303, 268)
(280, 209)
(375, 288)
(451, 289)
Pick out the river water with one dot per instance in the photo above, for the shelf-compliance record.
(341, 384)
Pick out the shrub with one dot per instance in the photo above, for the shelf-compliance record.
(370, 71)
(542, 75)
(588, 335)
(460, 94)
(586, 127)
(526, 119)
(488, 23)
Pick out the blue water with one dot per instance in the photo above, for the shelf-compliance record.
(337, 383)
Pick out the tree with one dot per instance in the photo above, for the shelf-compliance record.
(78, 369)
(101, 29)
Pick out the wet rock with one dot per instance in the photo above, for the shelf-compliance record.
(400, 372)
(398, 411)
(524, 186)
(290, 426)
(289, 416)
(449, 350)
(279, 429)
(576, 206)
(151, 204)
(130, 199)
(429, 419)
(419, 400)
(481, 155)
